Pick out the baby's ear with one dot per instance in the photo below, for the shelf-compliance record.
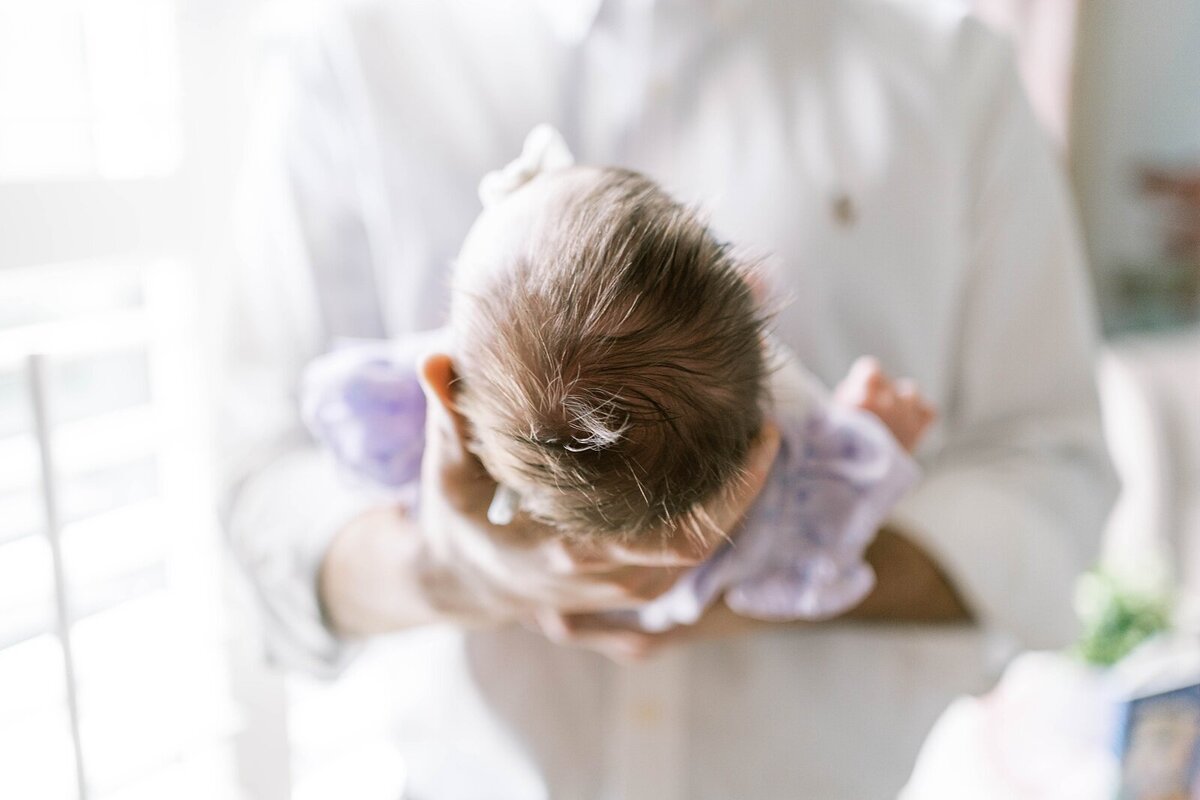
(438, 378)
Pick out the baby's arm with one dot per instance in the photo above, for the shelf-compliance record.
(899, 404)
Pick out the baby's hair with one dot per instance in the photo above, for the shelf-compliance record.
(614, 373)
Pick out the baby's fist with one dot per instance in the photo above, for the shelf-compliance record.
(899, 404)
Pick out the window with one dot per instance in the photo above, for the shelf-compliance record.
(99, 339)
(138, 554)
(88, 87)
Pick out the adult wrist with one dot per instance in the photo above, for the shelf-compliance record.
(370, 580)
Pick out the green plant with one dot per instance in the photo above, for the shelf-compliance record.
(1116, 618)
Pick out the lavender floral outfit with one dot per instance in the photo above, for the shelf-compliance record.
(798, 553)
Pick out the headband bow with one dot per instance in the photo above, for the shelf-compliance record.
(544, 150)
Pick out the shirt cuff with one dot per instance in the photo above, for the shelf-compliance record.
(282, 522)
(1011, 562)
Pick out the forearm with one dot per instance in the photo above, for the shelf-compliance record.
(910, 586)
(376, 578)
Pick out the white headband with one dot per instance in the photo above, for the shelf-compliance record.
(544, 150)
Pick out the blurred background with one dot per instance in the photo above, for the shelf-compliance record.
(121, 126)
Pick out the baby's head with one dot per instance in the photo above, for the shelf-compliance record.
(609, 354)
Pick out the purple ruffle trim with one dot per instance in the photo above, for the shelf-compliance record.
(365, 405)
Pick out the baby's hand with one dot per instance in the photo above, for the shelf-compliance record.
(900, 405)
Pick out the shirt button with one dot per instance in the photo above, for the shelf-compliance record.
(844, 210)
(646, 714)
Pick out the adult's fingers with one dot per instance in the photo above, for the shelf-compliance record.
(637, 584)
(598, 633)
(616, 589)
(680, 550)
(565, 557)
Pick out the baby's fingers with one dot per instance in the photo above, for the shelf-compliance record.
(914, 402)
(865, 380)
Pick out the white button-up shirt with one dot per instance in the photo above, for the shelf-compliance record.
(880, 158)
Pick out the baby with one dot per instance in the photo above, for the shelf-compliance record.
(615, 372)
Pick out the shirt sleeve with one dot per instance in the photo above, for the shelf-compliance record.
(1013, 506)
(304, 278)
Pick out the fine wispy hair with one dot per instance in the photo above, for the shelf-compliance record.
(613, 374)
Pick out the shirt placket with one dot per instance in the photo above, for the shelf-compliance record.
(648, 746)
(620, 116)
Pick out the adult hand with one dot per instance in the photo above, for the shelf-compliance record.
(910, 588)
(623, 644)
